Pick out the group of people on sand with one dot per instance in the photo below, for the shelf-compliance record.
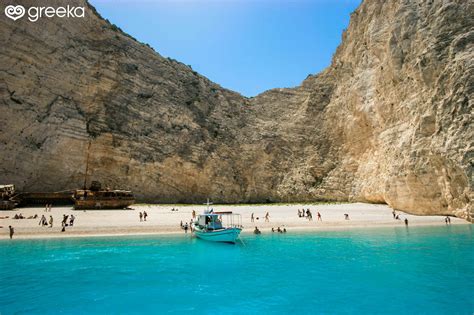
(308, 214)
(44, 222)
(48, 207)
(267, 217)
(143, 216)
(20, 217)
(397, 217)
(185, 226)
(64, 221)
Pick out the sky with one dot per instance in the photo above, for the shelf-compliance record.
(248, 46)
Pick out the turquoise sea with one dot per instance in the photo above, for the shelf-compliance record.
(419, 270)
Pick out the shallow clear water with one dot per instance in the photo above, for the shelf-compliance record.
(388, 270)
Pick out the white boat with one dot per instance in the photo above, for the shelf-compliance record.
(209, 226)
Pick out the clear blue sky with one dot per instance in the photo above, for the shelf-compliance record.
(248, 46)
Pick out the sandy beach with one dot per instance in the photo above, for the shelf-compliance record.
(161, 220)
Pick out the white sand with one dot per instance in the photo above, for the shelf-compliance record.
(161, 220)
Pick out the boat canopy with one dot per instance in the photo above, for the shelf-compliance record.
(210, 221)
(219, 220)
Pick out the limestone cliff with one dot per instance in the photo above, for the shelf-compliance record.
(391, 120)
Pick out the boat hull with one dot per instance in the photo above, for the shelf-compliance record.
(7, 205)
(229, 235)
(42, 198)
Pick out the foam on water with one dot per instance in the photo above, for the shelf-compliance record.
(423, 270)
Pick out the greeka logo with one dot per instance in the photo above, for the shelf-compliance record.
(16, 12)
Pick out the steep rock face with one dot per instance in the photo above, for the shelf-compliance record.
(391, 120)
(73, 87)
(405, 92)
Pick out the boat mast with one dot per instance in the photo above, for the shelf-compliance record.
(87, 165)
(208, 204)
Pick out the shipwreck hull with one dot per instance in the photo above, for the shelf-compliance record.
(98, 204)
(43, 198)
(7, 205)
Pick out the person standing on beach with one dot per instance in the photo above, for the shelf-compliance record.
(394, 214)
(252, 217)
(50, 221)
(12, 231)
(144, 215)
(319, 217)
(194, 214)
(64, 222)
(186, 227)
(41, 222)
(406, 221)
(71, 220)
(267, 217)
(141, 216)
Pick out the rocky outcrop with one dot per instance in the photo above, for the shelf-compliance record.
(405, 89)
(390, 121)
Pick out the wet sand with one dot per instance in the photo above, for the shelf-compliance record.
(161, 220)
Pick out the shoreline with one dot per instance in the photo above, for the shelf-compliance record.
(245, 231)
(164, 222)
